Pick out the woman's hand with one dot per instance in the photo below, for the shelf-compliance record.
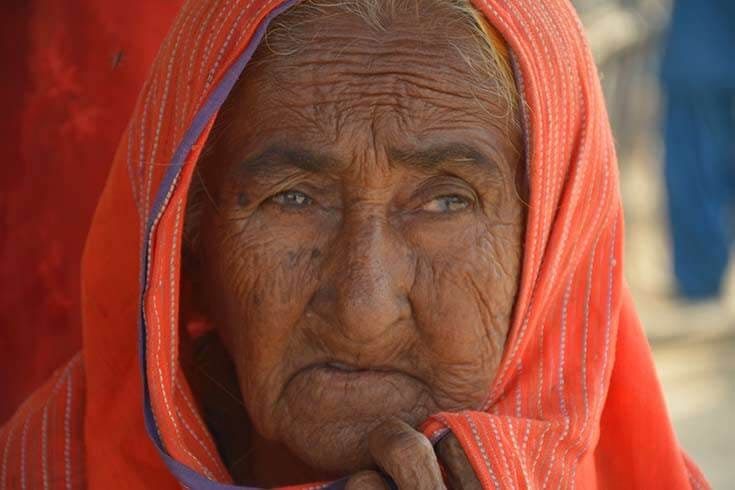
(408, 457)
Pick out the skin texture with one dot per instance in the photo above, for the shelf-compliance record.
(359, 247)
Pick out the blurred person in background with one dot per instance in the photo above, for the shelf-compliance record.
(698, 79)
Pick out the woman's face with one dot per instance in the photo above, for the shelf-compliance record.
(362, 255)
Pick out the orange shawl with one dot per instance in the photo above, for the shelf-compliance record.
(576, 400)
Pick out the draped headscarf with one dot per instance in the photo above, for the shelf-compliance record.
(576, 401)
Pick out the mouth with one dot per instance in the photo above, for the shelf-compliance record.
(341, 374)
(333, 380)
(336, 394)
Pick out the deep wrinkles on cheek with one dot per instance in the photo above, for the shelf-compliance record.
(301, 261)
(258, 381)
(505, 242)
(454, 378)
(457, 386)
(287, 273)
(487, 289)
(496, 255)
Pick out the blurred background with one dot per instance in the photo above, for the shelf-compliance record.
(76, 73)
(692, 336)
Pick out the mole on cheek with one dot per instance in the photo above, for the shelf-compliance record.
(315, 253)
(242, 199)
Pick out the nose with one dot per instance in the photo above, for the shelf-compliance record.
(370, 274)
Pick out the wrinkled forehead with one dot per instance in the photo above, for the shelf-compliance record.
(327, 45)
(338, 76)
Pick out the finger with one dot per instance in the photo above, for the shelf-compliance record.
(406, 455)
(366, 480)
(458, 468)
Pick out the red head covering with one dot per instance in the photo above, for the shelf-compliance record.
(576, 400)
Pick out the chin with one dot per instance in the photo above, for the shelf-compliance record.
(328, 414)
(335, 448)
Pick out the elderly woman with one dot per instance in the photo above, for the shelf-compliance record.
(367, 244)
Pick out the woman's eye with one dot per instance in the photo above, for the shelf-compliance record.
(292, 198)
(446, 204)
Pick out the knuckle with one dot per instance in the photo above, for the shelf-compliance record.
(409, 446)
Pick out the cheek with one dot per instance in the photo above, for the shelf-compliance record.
(463, 299)
(263, 276)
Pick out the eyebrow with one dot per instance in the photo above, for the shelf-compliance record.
(315, 162)
(432, 157)
(282, 156)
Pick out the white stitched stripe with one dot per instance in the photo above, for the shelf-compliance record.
(8, 444)
(212, 36)
(165, 397)
(161, 113)
(23, 444)
(221, 52)
(189, 404)
(198, 419)
(521, 457)
(196, 45)
(44, 447)
(560, 382)
(608, 311)
(483, 452)
(172, 294)
(585, 339)
(499, 441)
(210, 44)
(67, 432)
(6, 451)
(539, 447)
(150, 88)
(194, 435)
(131, 171)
